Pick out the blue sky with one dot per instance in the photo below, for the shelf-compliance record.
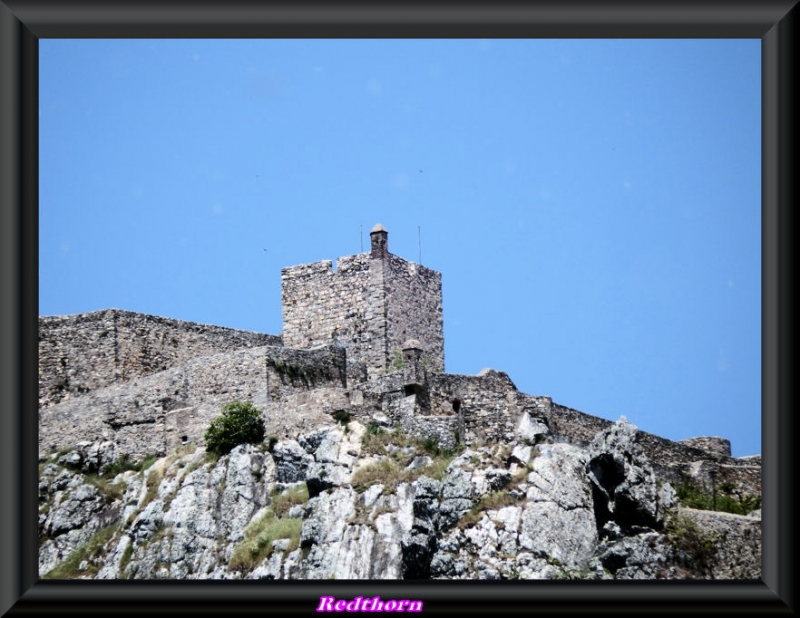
(593, 205)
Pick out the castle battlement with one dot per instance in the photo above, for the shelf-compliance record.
(370, 304)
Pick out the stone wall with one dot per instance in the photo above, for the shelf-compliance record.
(83, 352)
(488, 408)
(346, 306)
(735, 549)
(370, 305)
(570, 425)
(485, 408)
(296, 389)
(710, 444)
(300, 388)
(486, 404)
(414, 310)
(696, 459)
(150, 383)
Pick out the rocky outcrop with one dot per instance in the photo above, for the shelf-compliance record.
(354, 501)
(627, 495)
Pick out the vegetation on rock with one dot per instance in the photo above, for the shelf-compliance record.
(725, 499)
(240, 423)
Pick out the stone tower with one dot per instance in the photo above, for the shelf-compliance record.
(371, 304)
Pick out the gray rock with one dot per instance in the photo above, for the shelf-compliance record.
(451, 510)
(637, 557)
(558, 519)
(291, 461)
(372, 494)
(296, 512)
(311, 441)
(72, 459)
(595, 513)
(418, 550)
(624, 485)
(323, 476)
(419, 462)
(327, 518)
(531, 430)
(457, 484)
(442, 566)
(74, 510)
(248, 473)
(521, 454)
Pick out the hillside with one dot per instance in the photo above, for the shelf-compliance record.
(408, 473)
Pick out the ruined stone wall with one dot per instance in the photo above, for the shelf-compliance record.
(446, 430)
(77, 354)
(573, 425)
(155, 413)
(83, 352)
(697, 459)
(487, 408)
(710, 444)
(481, 408)
(703, 467)
(371, 306)
(486, 404)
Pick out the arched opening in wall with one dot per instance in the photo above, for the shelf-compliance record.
(456, 405)
(184, 439)
(413, 389)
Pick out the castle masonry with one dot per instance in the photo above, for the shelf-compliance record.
(371, 304)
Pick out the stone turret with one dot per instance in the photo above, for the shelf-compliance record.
(413, 366)
(380, 242)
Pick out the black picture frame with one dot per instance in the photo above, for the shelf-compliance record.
(22, 23)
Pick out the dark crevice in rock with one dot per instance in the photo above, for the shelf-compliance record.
(418, 550)
(607, 471)
(118, 424)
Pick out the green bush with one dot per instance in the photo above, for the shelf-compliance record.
(691, 542)
(342, 417)
(124, 463)
(240, 423)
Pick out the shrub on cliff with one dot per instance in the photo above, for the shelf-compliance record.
(240, 423)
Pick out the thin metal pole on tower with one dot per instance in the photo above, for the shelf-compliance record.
(361, 232)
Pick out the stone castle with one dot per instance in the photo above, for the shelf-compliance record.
(365, 339)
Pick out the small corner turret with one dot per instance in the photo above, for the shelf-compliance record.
(379, 238)
(413, 367)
